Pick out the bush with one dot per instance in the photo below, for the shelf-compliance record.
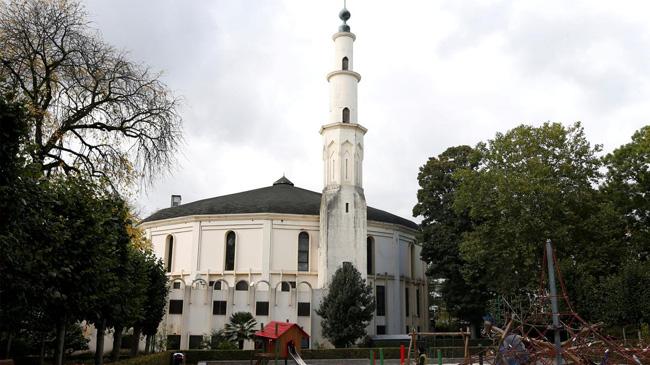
(160, 358)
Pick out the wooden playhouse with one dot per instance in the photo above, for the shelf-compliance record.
(277, 337)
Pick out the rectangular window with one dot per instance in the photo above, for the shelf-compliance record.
(408, 330)
(176, 285)
(173, 342)
(407, 302)
(287, 285)
(381, 300)
(211, 283)
(304, 309)
(176, 306)
(195, 342)
(262, 308)
(347, 207)
(219, 308)
(381, 330)
(417, 302)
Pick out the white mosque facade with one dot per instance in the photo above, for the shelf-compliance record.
(272, 251)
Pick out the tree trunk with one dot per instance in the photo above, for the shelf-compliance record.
(147, 346)
(41, 354)
(135, 345)
(59, 343)
(117, 343)
(99, 345)
(10, 337)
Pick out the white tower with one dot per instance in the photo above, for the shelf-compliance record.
(343, 222)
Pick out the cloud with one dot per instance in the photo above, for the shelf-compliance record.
(434, 75)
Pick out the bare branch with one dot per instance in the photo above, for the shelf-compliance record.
(92, 109)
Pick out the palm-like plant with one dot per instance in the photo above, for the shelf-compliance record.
(240, 328)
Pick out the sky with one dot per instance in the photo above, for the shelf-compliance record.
(435, 74)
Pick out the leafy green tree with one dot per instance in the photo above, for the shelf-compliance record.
(241, 327)
(155, 301)
(535, 183)
(347, 308)
(627, 184)
(442, 230)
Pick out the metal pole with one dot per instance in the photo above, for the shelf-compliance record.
(554, 306)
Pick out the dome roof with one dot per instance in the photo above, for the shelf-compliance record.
(281, 197)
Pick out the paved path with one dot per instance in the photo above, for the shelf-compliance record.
(326, 362)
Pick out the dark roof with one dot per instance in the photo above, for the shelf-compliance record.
(282, 197)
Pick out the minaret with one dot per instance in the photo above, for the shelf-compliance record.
(343, 223)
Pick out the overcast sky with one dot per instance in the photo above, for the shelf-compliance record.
(435, 74)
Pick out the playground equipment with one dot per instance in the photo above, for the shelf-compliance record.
(537, 337)
(280, 340)
(417, 352)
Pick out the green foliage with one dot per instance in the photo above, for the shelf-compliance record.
(241, 327)
(160, 358)
(442, 230)
(347, 308)
(218, 340)
(532, 183)
(157, 289)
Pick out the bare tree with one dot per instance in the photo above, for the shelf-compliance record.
(91, 109)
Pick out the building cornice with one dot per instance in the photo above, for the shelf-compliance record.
(344, 34)
(356, 75)
(343, 125)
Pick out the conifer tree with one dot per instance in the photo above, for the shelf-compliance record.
(347, 308)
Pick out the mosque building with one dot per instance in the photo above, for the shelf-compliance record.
(272, 251)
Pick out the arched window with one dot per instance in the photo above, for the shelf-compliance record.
(242, 285)
(370, 252)
(169, 253)
(346, 115)
(344, 63)
(303, 251)
(230, 251)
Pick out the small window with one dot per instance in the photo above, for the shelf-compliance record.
(304, 309)
(230, 251)
(287, 285)
(169, 253)
(217, 285)
(381, 330)
(417, 302)
(407, 302)
(370, 255)
(344, 63)
(381, 300)
(173, 342)
(242, 285)
(262, 308)
(195, 342)
(219, 308)
(175, 306)
(408, 330)
(345, 118)
(304, 343)
(176, 285)
(347, 207)
(211, 283)
(303, 251)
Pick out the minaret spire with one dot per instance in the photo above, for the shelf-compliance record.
(343, 213)
(344, 15)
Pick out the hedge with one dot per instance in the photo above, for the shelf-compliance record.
(159, 358)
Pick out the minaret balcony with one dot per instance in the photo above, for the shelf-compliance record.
(344, 72)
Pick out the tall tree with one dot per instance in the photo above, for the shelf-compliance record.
(535, 183)
(155, 302)
(347, 308)
(91, 109)
(442, 230)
